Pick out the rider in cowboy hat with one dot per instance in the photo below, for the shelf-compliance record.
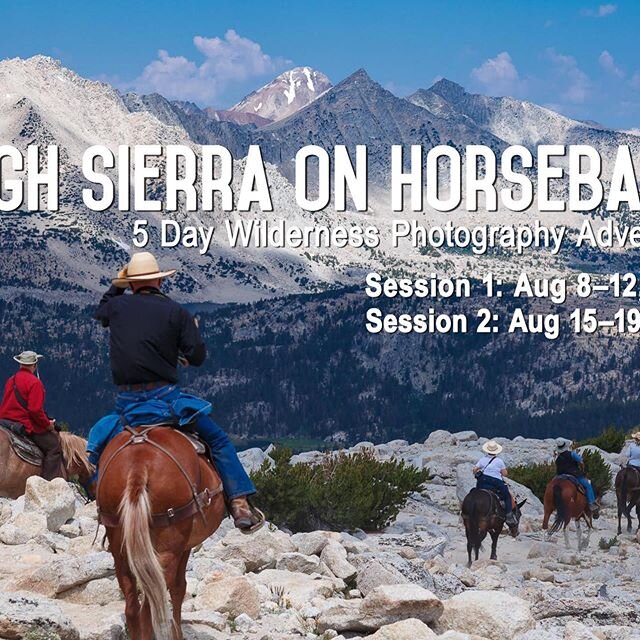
(23, 404)
(634, 450)
(571, 463)
(490, 472)
(150, 335)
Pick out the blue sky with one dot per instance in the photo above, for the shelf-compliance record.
(577, 57)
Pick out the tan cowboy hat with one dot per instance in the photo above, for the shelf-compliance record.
(142, 266)
(28, 358)
(636, 435)
(562, 444)
(492, 448)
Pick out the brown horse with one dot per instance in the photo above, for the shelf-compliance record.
(482, 513)
(14, 471)
(158, 499)
(563, 497)
(628, 495)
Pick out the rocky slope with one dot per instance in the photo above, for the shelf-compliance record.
(283, 96)
(410, 581)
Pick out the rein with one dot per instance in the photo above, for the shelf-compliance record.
(172, 515)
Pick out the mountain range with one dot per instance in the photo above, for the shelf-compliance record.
(56, 263)
(42, 102)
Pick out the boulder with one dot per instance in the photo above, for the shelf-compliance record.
(465, 436)
(101, 591)
(440, 438)
(298, 562)
(312, 543)
(211, 619)
(252, 459)
(23, 615)
(102, 627)
(387, 567)
(397, 602)
(577, 631)
(334, 556)
(258, 551)
(56, 577)
(23, 527)
(372, 573)
(385, 605)
(426, 544)
(297, 589)
(410, 629)
(493, 614)
(56, 499)
(232, 596)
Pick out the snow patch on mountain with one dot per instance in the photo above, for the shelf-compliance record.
(286, 94)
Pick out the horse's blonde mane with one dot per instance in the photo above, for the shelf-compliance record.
(74, 451)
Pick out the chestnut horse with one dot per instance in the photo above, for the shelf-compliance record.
(563, 497)
(158, 499)
(14, 471)
(482, 513)
(628, 495)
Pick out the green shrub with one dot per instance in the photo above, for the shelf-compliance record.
(534, 476)
(610, 440)
(605, 544)
(341, 492)
(597, 471)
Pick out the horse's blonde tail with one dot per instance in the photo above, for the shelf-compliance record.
(135, 517)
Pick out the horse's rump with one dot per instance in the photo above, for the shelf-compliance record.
(178, 479)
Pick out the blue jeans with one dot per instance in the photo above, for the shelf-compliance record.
(234, 478)
(233, 475)
(591, 496)
(499, 486)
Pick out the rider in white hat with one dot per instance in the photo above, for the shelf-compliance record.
(23, 406)
(149, 335)
(633, 450)
(490, 472)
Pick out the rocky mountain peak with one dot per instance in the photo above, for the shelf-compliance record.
(448, 89)
(285, 94)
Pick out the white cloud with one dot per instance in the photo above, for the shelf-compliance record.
(607, 62)
(576, 83)
(498, 75)
(602, 11)
(227, 61)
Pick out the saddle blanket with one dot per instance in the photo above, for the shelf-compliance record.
(24, 447)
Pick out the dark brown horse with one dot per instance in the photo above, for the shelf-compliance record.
(628, 495)
(158, 499)
(482, 513)
(14, 471)
(569, 503)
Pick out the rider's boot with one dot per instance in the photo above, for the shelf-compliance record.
(245, 516)
(511, 520)
(595, 510)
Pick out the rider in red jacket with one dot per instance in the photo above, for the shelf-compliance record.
(23, 403)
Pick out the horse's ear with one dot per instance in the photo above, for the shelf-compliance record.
(521, 504)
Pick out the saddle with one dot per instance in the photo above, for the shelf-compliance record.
(21, 444)
(568, 476)
(494, 494)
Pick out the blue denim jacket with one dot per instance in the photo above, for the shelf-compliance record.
(134, 408)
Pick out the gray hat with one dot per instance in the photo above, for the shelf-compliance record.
(562, 444)
(28, 358)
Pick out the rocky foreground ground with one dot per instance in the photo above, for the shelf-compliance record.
(410, 582)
